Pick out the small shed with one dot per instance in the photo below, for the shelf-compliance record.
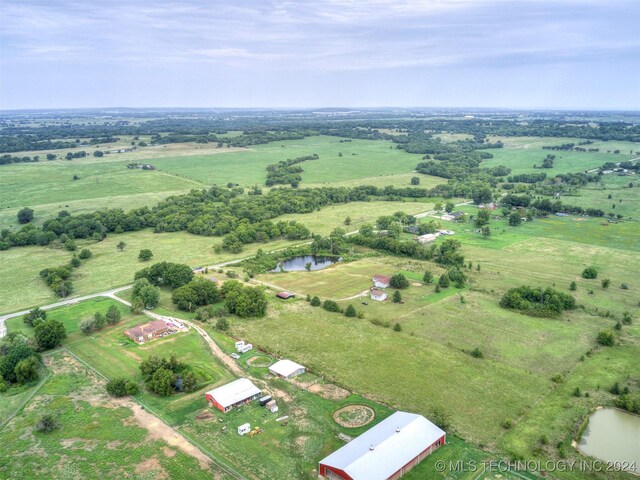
(244, 429)
(378, 295)
(426, 238)
(286, 369)
(264, 400)
(285, 295)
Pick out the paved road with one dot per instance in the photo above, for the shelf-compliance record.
(111, 293)
(69, 301)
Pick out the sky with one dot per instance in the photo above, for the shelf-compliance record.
(565, 54)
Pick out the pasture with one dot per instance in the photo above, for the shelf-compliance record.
(521, 153)
(107, 268)
(98, 436)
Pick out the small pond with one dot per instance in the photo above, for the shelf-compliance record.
(613, 436)
(300, 263)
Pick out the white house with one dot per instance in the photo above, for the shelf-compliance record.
(378, 295)
(381, 281)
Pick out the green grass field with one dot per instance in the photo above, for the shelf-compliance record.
(426, 367)
(96, 438)
(360, 159)
(521, 153)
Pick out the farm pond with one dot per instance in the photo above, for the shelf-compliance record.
(613, 435)
(316, 262)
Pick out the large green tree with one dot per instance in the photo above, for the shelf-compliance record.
(49, 334)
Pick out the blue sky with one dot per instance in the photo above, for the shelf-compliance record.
(320, 53)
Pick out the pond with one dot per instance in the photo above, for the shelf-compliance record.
(613, 435)
(300, 263)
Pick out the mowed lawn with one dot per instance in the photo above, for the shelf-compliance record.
(113, 354)
(338, 281)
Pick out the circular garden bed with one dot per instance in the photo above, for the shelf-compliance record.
(353, 416)
(259, 361)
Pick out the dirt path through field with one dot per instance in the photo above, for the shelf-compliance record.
(158, 430)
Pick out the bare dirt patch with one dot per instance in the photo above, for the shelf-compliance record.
(158, 430)
(151, 465)
(329, 391)
(168, 452)
(416, 284)
(259, 361)
(353, 416)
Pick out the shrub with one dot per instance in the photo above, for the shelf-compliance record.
(477, 353)
(624, 286)
(331, 306)
(605, 283)
(84, 254)
(397, 297)
(437, 289)
(75, 262)
(558, 378)
(25, 215)
(350, 311)
(117, 387)
(626, 318)
(573, 286)
(35, 316)
(443, 281)
(606, 338)
(47, 423)
(399, 281)
(113, 315)
(507, 424)
(315, 302)
(427, 277)
(590, 273)
(70, 245)
(145, 255)
(397, 327)
(222, 324)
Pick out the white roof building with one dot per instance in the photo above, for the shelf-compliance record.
(390, 449)
(232, 394)
(286, 369)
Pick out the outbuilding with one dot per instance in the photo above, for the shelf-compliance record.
(233, 394)
(378, 295)
(285, 295)
(387, 451)
(381, 281)
(286, 369)
(426, 238)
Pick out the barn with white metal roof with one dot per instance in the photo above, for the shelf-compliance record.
(232, 394)
(286, 369)
(386, 451)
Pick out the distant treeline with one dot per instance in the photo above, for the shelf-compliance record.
(217, 211)
(267, 127)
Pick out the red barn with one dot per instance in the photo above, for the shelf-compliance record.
(386, 451)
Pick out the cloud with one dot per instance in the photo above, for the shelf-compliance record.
(328, 38)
